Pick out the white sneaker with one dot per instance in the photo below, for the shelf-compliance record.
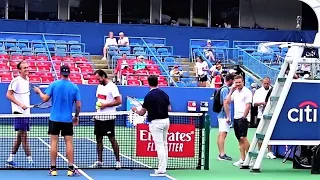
(270, 155)
(104, 59)
(238, 163)
(97, 164)
(118, 165)
(158, 174)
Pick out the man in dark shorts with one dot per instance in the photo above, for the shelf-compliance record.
(157, 103)
(63, 94)
(19, 103)
(242, 98)
(109, 98)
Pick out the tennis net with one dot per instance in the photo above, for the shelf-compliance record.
(187, 142)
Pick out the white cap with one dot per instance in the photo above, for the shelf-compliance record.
(232, 71)
(140, 57)
(209, 41)
(121, 33)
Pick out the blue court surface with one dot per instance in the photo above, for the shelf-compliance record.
(83, 155)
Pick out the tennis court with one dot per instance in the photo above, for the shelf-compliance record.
(85, 151)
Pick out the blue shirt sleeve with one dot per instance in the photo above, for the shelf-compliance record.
(78, 97)
(224, 94)
(49, 90)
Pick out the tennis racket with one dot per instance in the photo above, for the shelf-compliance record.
(287, 153)
(18, 86)
(134, 101)
(43, 105)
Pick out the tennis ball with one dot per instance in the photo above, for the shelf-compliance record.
(98, 104)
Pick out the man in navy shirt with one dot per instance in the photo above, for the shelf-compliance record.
(63, 94)
(157, 103)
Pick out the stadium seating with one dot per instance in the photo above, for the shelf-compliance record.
(160, 60)
(45, 58)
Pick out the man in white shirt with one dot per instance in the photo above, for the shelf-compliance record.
(242, 99)
(123, 41)
(19, 103)
(110, 41)
(109, 97)
(260, 101)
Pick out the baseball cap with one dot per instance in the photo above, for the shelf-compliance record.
(64, 70)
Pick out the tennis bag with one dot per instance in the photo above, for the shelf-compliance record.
(315, 165)
(302, 157)
(217, 105)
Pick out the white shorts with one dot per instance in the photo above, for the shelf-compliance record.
(223, 125)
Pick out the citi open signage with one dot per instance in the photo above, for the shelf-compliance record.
(298, 119)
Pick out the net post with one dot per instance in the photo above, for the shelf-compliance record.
(206, 141)
(200, 152)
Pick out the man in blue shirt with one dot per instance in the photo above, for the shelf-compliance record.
(63, 94)
(157, 103)
(224, 118)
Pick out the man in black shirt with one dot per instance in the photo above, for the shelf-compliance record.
(157, 103)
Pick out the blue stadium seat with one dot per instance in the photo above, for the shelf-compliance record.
(138, 49)
(23, 40)
(36, 46)
(50, 41)
(135, 44)
(169, 59)
(61, 46)
(75, 47)
(39, 50)
(11, 40)
(9, 45)
(61, 54)
(73, 42)
(3, 53)
(180, 84)
(158, 45)
(14, 49)
(140, 53)
(22, 45)
(2, 48)
(61, 42)
(27, 53)
(26, 49)
(76, 55)
(16, 53)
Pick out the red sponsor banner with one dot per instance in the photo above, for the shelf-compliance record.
(181, 139)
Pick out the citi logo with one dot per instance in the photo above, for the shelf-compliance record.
(307, 112)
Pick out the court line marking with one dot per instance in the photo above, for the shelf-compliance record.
(65, 159)
(134, 160)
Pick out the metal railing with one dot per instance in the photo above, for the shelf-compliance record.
(259, 68)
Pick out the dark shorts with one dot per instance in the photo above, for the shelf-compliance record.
(21, 123)
(104, 128)
(203, 78)
(55, 128)
(241, 128)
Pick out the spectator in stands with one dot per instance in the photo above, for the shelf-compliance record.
(208, 51)
(124, 65)
(201, 69)
(175, 74)
(216, 81)
(306, 68)
(123, 41)
(110, 41)
(140, 64)
(216, 67)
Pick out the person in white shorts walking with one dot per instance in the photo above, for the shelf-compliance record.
(224, 118)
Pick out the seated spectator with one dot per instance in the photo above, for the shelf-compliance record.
(123, 41)
(124, 65)
(110, 41)
(140, 64)
(175, 74)
(208, 51)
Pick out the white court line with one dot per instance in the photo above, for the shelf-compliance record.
(131, 159)
(65, 159)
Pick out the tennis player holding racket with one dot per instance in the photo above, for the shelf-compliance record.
(19, 103)
(104, 125)
(157, 103)
(64, 95)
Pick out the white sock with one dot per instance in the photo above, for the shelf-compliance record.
(11, 157)
(29, 158)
